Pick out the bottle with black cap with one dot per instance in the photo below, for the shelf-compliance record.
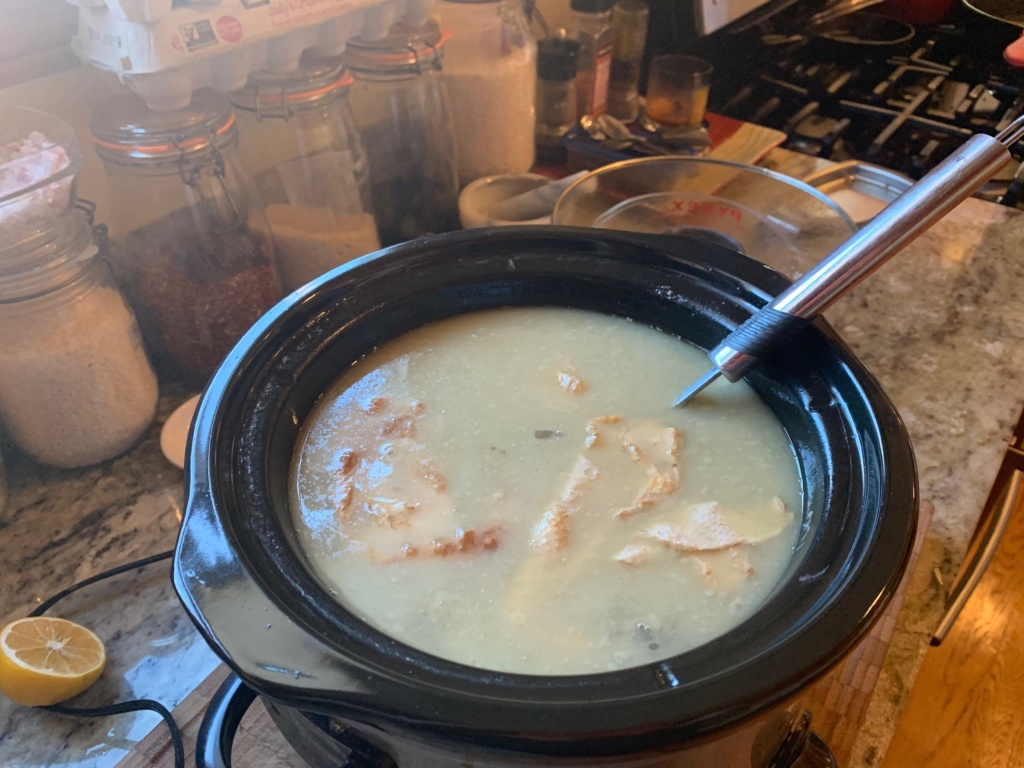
(556, 96)
(591, 28)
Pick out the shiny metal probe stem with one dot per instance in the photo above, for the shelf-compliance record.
(896, 226)
(698, 386)
(942, 189)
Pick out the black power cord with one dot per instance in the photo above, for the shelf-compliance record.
(134, 705)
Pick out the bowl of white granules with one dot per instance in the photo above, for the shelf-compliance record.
(39, 163)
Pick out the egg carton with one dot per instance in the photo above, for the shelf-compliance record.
(139, 11)
(219, 44)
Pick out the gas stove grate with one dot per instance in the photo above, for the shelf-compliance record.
(905, 110)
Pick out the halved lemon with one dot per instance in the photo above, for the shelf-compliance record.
(45, 660)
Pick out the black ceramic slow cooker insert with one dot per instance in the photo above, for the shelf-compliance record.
(247, 585)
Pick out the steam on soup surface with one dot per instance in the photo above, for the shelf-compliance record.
(513, 490)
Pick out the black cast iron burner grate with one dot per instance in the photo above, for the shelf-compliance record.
(905, 109)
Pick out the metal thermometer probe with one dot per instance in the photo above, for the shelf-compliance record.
(947, 185)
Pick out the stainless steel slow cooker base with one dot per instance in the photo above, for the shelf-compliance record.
(330, 742)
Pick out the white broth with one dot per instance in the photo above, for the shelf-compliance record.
(513, 490)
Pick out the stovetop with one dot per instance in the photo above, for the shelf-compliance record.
(905, 108)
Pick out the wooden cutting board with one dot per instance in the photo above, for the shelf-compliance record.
(838, 703)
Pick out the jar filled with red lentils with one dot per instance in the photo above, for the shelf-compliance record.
(188, 232)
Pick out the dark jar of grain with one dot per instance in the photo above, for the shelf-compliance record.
(188, 230)
(401, 108)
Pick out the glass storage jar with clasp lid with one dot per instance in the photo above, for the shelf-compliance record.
(490, 71)
(188, 230)
(76, 386)
(401, 108)
(299, 142)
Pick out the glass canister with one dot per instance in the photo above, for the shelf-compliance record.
(490, 70)
(189, 234)
(590, 25)
(401, 108)
(629, 31)
(299, 142)
(76, 386)
(556, 96)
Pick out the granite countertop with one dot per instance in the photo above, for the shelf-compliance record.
(940, 326)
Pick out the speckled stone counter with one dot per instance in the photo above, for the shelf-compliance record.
(941, 326)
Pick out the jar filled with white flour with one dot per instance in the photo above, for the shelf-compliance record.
(299, 142)
(490, 71)
(76, 386)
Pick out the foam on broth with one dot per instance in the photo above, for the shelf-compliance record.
(513, 490)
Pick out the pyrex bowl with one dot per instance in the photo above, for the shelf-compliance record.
(773, 218)
(39, 163)
(247, 585)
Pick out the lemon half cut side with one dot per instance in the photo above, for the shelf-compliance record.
(46, 660)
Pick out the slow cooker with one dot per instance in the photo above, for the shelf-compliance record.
(344, 693)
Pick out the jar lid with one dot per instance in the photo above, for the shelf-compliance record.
(124, 127)
(37, 263)
(592, 6)
(405, 50)
(273, 94)
(556, 58)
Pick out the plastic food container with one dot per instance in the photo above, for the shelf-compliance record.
(39, 163)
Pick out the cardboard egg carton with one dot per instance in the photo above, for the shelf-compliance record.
(167, 49)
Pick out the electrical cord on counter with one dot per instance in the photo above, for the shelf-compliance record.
(123, 707)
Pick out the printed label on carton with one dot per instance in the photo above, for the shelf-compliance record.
(198, 35)
(229, 29)
(99, 38)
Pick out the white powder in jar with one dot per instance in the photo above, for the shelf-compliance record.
(76, 386)
(309, 241)
(493, 114)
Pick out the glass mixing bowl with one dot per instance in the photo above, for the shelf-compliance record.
(773, 218)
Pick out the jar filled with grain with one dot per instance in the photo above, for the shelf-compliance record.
(299, 141)
(490, 70)
(76, 386)
(401, 107)
(188, 230)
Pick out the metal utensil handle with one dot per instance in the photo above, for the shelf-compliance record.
(947, 185)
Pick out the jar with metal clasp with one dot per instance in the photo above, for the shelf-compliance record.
(401, 107)
(299, 142)
(76, 386)
(490, 71)
(188, 232)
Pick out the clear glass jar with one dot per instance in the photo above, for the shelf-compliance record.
(556, 96)
(590, 26)
(189, 234)
(629, 31)
(400, 106)
(299, 142)
(76, 386)
(490, 71)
